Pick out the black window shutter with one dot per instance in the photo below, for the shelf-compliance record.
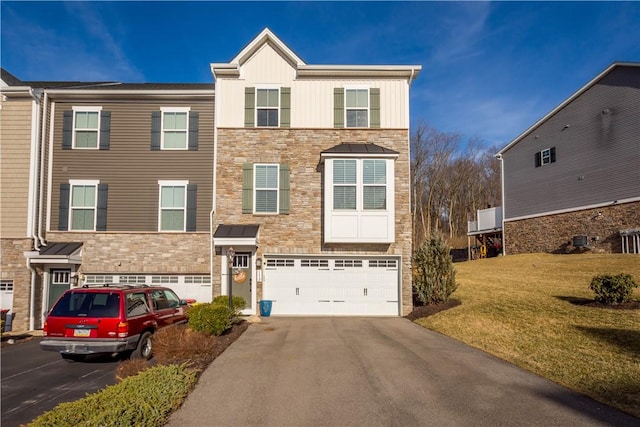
(538, 159)
(553, 154)
(193, 131)
(101, 214)
(67, 129)
(192, 204)
(105, 129)
(156, 124)
(63, 213)
(247, 188)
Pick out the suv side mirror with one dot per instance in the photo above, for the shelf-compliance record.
(183, 302)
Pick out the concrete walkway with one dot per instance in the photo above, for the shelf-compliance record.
(375, 372)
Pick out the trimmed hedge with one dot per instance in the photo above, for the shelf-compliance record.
(143, 400)
(209, 318)
(610, 289)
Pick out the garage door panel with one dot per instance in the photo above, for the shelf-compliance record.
(308, 286)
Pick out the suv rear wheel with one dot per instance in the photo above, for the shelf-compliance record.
(144, 348)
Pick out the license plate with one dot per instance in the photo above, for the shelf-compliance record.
(82, 332)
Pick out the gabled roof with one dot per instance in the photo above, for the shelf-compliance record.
(567, 101)
(232, 68)
(9, 79)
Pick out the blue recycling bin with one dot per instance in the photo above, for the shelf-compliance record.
(265, 308)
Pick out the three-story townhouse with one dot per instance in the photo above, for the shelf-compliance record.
(312, 183)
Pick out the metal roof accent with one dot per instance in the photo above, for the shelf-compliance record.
(236, 231)
(360, 150)
(60, 249)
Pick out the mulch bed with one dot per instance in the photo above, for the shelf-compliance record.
(431, 309)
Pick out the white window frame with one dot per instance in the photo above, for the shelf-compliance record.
(359, 225)
(172, 183)
(545, 156)
(267, 87)
(256, 188)
(368, 109)
(85, 109)
(163, 111)
(83, 183)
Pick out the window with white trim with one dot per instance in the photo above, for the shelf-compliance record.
(98, 278)
(267, 107)
(173, 205)
(359, 179)
(546, 156)
(175, 128)
(356, 109)
(82, 206)
(86, 127)
(6, 285)
(280, 262)
(266, 188)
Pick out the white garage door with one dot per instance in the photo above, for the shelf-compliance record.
(322, 286)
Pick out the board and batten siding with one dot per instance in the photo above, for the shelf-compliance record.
(597, 155)
(311, 98)
(15, 152)
(132, 170)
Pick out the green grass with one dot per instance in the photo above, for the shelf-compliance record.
(521, 308)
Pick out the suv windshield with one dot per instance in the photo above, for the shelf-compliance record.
(87, 304)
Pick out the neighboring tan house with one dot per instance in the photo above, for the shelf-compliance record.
(312, 183)
(572, 180)
(302, 169)
(20, 104)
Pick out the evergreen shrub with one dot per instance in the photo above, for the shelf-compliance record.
(434, 276)
(613, 289)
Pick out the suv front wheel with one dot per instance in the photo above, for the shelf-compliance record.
(144, 348)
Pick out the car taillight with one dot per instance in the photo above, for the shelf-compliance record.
(44, 329)
(123, 329)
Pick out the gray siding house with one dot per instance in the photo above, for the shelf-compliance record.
(572, 180)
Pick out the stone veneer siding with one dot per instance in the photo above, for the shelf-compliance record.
(14, 267)
(554, 233)
(144, 253)
(300, 232)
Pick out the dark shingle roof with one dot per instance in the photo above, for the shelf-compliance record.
(236, 231)
(65, 248)
(354, 148)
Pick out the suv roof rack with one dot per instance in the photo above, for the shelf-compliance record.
(114, 285)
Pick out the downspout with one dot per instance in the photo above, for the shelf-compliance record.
(32, 299)
(212, 249)
(43, 142)
(33, 170)
(499, 157)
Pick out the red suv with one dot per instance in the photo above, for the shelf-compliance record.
(110, 318)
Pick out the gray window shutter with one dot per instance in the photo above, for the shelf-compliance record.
(105, 129)
(67, 129)
(553, 154)
(192, 204)
(374, 107)
(156, 128)
(63, 213)
(247, 188)
(538, 159)
(249, 106)
(193, 130)
(285, 172)
(338, 107)
(101, 214)
(285, 107)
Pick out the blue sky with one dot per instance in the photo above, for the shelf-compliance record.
(490, 69)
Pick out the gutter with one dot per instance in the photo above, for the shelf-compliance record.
(499, 157)
(42, 157)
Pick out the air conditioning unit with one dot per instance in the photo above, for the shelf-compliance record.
(580, 241)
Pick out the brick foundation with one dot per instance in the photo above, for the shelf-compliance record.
(554, 233)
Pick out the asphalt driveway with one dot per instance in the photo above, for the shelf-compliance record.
(375, 372)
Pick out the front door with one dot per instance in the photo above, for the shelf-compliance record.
(241, 277)
(60, 282)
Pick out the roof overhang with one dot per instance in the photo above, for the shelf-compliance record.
(365, 71)
(57, 253)
(236, 235)
(580, 91)
(84, 94)
(18, 92)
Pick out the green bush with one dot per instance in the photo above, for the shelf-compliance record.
(143, 400)
(434, 277)
(210, 318)
(611, 289)
(238, 303)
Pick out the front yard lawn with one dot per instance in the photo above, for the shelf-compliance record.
(530, 310)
